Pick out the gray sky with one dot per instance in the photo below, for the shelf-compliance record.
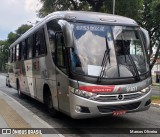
(14, 13)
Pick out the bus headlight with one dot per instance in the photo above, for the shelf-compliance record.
(83, 93)
(147, 89)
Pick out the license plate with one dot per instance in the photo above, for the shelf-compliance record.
(119, 112)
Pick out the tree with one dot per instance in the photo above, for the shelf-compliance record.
(92, 5)
(11, 37)
(4, 45)
(22, 29)
(150, 21)
(3, 54)
(50, 6)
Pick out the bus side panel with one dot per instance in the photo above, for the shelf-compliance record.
(52, 86)
(39, 88)
(23, 84)
(12, 75)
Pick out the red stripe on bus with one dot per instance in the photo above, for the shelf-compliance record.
(97, 88)
(119, 89)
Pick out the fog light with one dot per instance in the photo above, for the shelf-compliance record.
(78, 109)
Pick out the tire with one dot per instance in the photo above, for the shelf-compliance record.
(9, 84)
(49, 105)
(6, 84)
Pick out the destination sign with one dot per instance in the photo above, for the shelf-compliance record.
(90, 27)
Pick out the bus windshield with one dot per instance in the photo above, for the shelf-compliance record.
(126, 57)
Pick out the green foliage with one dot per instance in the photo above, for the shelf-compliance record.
(122, 7)
(58, 5)
(155, 98)
(3, 54)
(129, 8)
(4, 45)
(11, 37)
(22, 29)
(150, 20)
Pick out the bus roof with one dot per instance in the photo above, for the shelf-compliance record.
(83, 16)
(93, 17)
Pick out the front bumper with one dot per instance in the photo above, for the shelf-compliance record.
(97, 109)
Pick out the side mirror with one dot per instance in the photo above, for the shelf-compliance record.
(146, 38)
(68, 32)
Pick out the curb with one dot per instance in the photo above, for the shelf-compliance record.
(155, 105)
(27, 114)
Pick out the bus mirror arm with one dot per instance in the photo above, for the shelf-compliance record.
(146, 38)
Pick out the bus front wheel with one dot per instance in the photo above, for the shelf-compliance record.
(49, 105)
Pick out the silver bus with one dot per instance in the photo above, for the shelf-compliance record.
(84, 64)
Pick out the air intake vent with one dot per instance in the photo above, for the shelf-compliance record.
(148, 102)
(107, 109)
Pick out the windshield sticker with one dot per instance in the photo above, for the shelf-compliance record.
(90, 27)
(94, 70)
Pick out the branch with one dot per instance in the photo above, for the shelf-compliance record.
(95, 4)
(74, 4)
(90, 2)
(155, 57)
(98, 5)
(156, 28)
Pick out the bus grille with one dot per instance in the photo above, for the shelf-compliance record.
(110, 98)
(107, 109)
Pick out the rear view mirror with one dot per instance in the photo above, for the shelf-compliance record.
(67, 31)
(146, 38)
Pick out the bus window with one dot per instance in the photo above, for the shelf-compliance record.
(40, 45)
(29, 42)
(52, 27)
(11, 55)
(14, 54)
(60, 52)
(17, 52)
(51, 36)
(23, 50)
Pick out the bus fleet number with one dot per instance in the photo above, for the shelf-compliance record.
(131, 88)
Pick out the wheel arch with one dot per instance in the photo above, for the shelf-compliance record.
(46, 91)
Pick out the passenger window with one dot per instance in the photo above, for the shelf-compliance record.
(17, 52)
(60, 51)
(40, 44)
(23, 50)
(52, 28)
(11, 54)
(30, 46)
(14, 54)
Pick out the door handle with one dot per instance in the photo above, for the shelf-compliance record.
(58, 84)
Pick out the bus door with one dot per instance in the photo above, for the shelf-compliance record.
(30, 79)
(61, 74)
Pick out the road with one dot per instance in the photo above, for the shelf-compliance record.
(156, 91)
(146, 119)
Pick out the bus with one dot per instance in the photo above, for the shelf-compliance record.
(83, 64)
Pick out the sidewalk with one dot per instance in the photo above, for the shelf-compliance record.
(14, 115)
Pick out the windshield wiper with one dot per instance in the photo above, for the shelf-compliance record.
(126, 52)
(105, 60)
